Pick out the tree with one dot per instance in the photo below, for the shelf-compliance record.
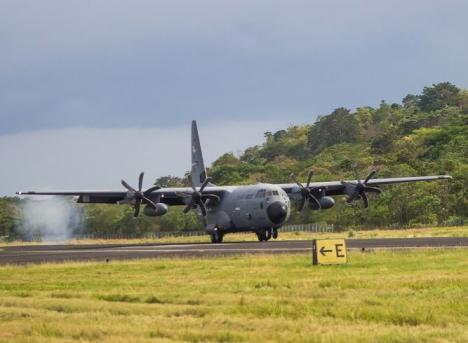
(439, 96)
(411, 101)
(341, 126)
(171, 181)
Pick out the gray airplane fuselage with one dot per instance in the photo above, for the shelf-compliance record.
(249, 208)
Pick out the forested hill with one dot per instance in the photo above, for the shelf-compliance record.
(424, 134)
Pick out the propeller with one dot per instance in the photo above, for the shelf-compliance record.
(358, 190)
(139, 196)
(306, 192)
(197, 197)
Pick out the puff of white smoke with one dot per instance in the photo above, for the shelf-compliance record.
(50, 219)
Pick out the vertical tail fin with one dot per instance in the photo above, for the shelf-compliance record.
(198, 167)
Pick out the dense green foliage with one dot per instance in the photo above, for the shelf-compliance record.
(425, 134)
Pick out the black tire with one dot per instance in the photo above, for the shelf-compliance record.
(264, 235)
(217, 237)
(260, 236)
(274, 233)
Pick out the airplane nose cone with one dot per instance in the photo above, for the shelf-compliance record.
(277, 212)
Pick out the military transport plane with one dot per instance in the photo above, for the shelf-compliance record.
(260, 208)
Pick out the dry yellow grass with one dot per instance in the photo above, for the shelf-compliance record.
(384, 296)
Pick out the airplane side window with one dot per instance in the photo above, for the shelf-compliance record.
(260, 193)
(268, 193)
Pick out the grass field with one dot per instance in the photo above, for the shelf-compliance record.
(452, 231)
(382, 296)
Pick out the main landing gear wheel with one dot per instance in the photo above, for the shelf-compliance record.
(217, 237)
(264, 235)
(274, 233)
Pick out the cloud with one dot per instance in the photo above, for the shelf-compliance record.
(83, 158)
(117, 64)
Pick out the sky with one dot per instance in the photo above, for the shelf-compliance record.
(95, 91)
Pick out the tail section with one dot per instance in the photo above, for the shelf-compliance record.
(198, 167)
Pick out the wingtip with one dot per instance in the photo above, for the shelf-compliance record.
(24, 193)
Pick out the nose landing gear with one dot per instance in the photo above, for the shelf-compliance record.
(217, 236)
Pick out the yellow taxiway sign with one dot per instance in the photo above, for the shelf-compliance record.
(329, 251)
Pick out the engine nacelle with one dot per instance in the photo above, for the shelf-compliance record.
(161, 209)
(326, 202)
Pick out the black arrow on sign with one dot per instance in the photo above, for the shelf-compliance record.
(323, 251)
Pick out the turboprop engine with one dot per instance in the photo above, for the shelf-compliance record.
(160, 209)
(326, 202)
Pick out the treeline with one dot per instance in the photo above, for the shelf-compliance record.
(424, 134)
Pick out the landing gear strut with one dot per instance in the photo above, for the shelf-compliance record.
(264, 235)
(217, 236)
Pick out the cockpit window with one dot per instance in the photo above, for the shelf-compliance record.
(275, 192)
(268, 193)
(260, 194)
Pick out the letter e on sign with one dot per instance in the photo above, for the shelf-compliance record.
(329, 251)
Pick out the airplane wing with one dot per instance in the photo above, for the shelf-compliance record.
(339, 187)
(168, 196)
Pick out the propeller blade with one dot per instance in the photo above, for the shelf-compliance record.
(300, 185)
(211, 197)
(373, 190)
(127, 186)
(152, 189)
(315, 200)
(370, 176)
(364, 200)
(355, 174)
(309, 178)
(302, 204)
(207, 180)
(296, 181)
(201, 204)
(188, 208)
(137, 209)
(149, 202)
(352, 197)
(140, 181)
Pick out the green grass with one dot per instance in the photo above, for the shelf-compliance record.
(383, 296)
(452, 231)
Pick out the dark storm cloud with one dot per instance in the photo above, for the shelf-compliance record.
(142, 64)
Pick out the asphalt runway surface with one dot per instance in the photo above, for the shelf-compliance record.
(109, 252)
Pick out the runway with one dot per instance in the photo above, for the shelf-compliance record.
(61, 253)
